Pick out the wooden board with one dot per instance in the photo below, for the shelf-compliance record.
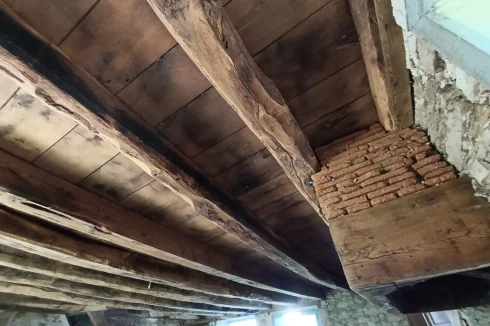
(193, 129)
(148, 198)
(117, 179)
(332, 93)
(383, 51)
(115, 42)
(165, 87)
(321, 45)
(441, 230)
(28, 127)
(54, 19)
(7, 89)
(75, 156)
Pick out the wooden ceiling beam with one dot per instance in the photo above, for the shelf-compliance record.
(23, 234)
(62, 85)
(36, 280)
(13, 301)
(30, 190)
(383, 51)
(208, 37)
(26, 262)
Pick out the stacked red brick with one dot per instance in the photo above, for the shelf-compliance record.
(372, 167)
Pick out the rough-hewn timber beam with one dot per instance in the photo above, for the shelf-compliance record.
(384, 55)
(15, 300)
(26, 262)
(65, 87)
(208, 37)
(56, 201)
(438, 231)
(19, 233)
(36, 280)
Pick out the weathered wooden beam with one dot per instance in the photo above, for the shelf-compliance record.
(23, 261)
(56, 201)
(20, 233)
(97, 318)
(438, 231)
(36, 280)
(52, 294)
(208, 37)
(15, 300)
(384, 55)
(41, 68)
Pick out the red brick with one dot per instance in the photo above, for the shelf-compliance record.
(383, 157)
(392, 160)
(375, 125)
(402, 177)
(368, 168)
(338, 167)
(439, 172)
(330, 215)
(365, 176)
(398, 144)
(419, 149)
(410, 189)
(346, 183)
(386, 141)
(370, 133)
(350, 154)
(353, 168)
(358, 207)
(431, 167)
(383, 177)
(325, 191)
(400, 151)
(426, 161)
(329, 201)
(391, 188)
(422, 140)
(441, 179)
(367, 139)
(420, 156)
(349, 137)
(350, 202)
(382, 199)
(407, 133)
(394, 166)
(347, 190)
(321, 177)
(364, 191)
(377, 153)
(330, 195)
(334, 182)
(418, 134)
(359, 160)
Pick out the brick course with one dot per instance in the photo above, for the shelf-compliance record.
(371, 167)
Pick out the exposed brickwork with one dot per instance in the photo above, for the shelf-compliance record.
(372, 167)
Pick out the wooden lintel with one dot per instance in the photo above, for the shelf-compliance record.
(20, 233)
(438, 231)
(45, 71)
(26, 262)
(384, 55)
(208, 37)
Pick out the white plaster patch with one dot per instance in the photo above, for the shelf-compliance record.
(454, 138)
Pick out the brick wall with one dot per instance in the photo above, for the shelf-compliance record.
(372, 167)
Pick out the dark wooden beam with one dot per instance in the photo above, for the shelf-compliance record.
(208, 37)
(384, 55)
(59, 83)
(13, 301)
(36, 280)
(438, 231)
(23, 234)
(56, 201)
(26, 262)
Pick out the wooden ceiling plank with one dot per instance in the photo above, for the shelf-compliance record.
(383, 50)
(26, 262)
(207, 35)
(53, 200)
(15, 300)
(438, 231)
(22, 234)
(36, 280)
(114, 122)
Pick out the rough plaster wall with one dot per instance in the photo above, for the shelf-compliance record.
(346, 309)
(453, 107)
(477, 316)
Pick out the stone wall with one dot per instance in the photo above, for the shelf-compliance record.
(10, 318)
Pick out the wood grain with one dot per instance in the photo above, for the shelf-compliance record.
(113, 46)
(23, 261)
(165, 87)
(54, 19)
(75, 156)
(209, 38)
(28, 127)
(21, 234)
(384, 55)
(438, 231)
